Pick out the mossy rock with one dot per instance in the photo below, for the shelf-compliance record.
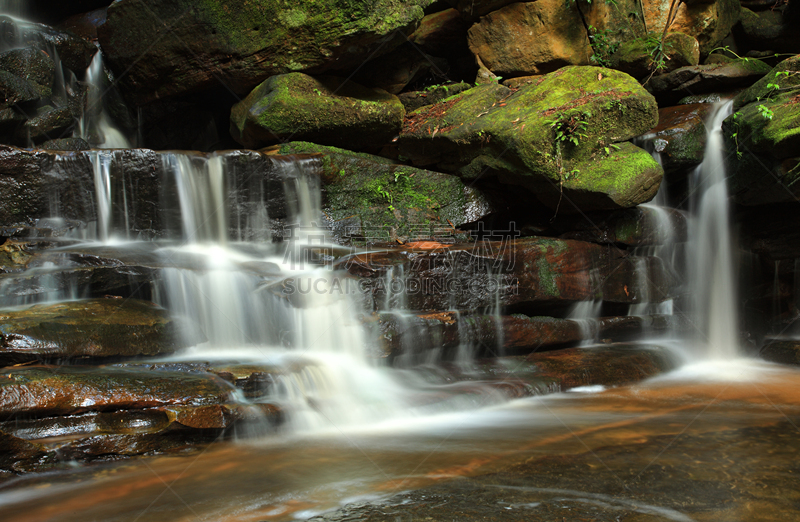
(327, 110)
(635, 57)
(560, 132)
(784, 77)
(387, 200)
(172, 47)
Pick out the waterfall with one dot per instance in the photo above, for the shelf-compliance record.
(95, 125)
(712, 268)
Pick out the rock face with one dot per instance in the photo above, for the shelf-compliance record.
(192, 46)
(709, 22)
(327, 110)
(636, 57)
(371, 199)
(530, 38)
(533, 272)
(558, 137)
(700, 79)
(100, 328)
(680, 136)
(765, 134)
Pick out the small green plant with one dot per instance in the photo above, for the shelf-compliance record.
(317, 92)
(765, 112)
(570, 128)
(608, 148)
(735, 135)
(602, 46)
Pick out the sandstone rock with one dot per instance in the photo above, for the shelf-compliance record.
(530, 38)
(557, 135)
(414, 100)
(700, 79)
(95, 329)
(709, 22)
(635, 57)
(191, 47)
(680, 136)
(441, 34)
(327, 110)
(394, 71)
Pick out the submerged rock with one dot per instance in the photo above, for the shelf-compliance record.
(327, 110)
(195, 46)
(562, 136)
(94, 329)
(610, 365)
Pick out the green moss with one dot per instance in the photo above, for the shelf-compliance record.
(547, 278)
(778, 136)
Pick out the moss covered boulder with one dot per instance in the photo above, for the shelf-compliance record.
(172, 47)
(784, 77)
(635, 56)
(98, 328)
(375, 199)
(563, 136)
(327, 110)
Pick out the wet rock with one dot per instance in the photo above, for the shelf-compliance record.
(531, 271)
(546, 36)
(74, 52)
(635, 57)
(680, 136)
(781, 350)
(639, 226)
(17, 90)
(389, 200)
(766, 30)
(20, 456)
(771, 230)
(783, 78)
(39, 391)
(700, 79)
(49, 123)
(30, 64)
(327, 110)
(73, 144)
(552, 137)
(608, 365)
(416, 99)
(246, 42)
(93, 329)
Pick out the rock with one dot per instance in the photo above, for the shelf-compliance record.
(244, 42)
(536, 273)
(771, 231)
(767, 30)
(781, 350)
(560, 133)
(699, 79)
(39, 391)
(74, 144)
(680, 136)
(85, 24)
(94, 329)
(19, 456)
(390, 200)
(639, 226)
(30, 64)
(709, 21)
(406, 64)
(10, 120)
(635, 57)
(327, 110)
(17, 90)
(473, 9)
(784, 77)
(611, 365)
(530, 38)
(441, 34)
(49, 123)
(414, 100)
(74, 52)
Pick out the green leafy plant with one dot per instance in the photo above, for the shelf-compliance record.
(765, 112)
(735, 135)
(570, 127)
(602, 46)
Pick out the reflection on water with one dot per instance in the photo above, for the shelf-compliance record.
(709, 442)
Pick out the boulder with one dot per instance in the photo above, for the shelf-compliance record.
(530, 38)
(700, 79)
(48, 123)
(414, 100)
(766, 30)
(639, 226)
(30, 64)
(709, 22)
(680, 136)
(17, 90)
(377, 200)
(561, 136)
(784, 77)
(405, 65)
(783, 350)
(636, 56)
(74, 52)
(441, 34)
(73, 144)
(326, 110)
(168, 48)
(93, 329)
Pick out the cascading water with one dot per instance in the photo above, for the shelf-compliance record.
(95, 125)
(712, 272)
